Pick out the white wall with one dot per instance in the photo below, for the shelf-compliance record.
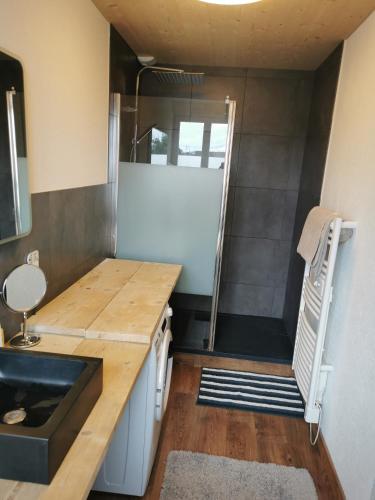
(349, 187)
(64, 48)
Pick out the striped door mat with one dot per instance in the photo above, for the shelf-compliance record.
(250, 391)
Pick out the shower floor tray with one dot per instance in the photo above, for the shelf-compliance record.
(253, 337)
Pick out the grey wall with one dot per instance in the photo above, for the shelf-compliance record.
(123, 65)
(70, 230)
(319, 127)
(269, 141)
(270, 129)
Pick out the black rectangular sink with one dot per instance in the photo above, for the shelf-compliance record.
(44, 401)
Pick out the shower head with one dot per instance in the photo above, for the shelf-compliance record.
(160, 70)
(163, 69)
(146, 60)
(179, 77)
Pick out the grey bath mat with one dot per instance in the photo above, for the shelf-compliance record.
(196, 476)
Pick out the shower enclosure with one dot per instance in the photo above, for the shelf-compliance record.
(172, 201)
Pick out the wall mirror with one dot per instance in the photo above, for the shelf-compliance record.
(15, 207)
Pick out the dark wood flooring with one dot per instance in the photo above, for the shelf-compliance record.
(234, 433)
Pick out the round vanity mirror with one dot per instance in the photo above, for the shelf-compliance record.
(23, 289)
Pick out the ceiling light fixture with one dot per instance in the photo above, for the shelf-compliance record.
(230, 2)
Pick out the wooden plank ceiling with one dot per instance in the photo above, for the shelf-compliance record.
(290, 34)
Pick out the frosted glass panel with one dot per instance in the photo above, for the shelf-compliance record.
(170, 214)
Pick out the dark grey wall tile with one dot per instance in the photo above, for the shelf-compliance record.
(223, 71)
(202, 110)
(315, 156)
(275, 107)
(258, 213)
(71, 230)
(317, 140)
(234, 159)
(271, 118)
(258, 262)
(281, 262)
(267, 161)
(237, 298)
(229, 212)
(124, 65)
(274, 123)
(218, 88)
(280, 74)
(278, 302)
(225, 259)
(296, 159)
(303, 106)
(66, 231)
(268, 107)
(289, 214)
(151, 86)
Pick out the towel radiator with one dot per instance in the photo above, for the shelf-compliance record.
(309, 368)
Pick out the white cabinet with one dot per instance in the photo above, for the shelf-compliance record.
(127, 466)
(123, 468)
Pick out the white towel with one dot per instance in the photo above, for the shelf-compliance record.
(314, 238)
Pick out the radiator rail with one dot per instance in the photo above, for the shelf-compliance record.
(309, 368)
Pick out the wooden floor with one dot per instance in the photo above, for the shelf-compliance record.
(233, 433)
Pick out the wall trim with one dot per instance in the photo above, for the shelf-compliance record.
(323, 444)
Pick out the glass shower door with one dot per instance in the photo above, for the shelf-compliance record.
(172, 202)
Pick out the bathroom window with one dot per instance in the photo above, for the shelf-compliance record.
(190, 144)
(218, 140)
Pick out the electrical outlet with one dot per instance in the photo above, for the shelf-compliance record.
(33, 258)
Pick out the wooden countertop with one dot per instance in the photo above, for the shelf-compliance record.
(118, 300)
(122, 363)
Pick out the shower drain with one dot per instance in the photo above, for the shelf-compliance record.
(14, 416)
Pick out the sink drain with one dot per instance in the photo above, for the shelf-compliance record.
(14, 417)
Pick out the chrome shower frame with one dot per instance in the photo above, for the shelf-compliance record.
(225, 188)
(113, 164)
(220, 238)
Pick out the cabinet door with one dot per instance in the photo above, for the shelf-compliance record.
(113, 470)
(122, 469)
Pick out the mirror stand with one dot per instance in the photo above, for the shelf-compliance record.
(23, 340)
